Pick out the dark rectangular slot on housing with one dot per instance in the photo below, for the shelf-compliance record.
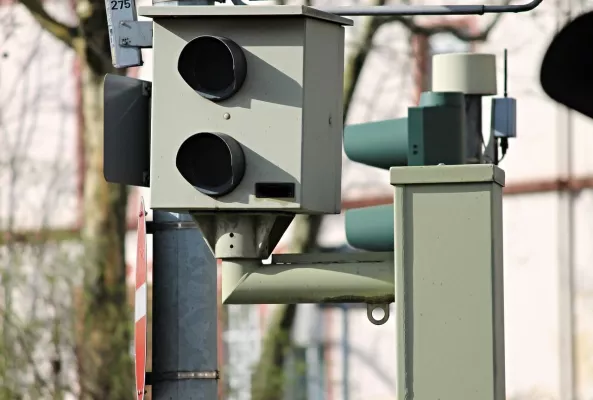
(274, 190)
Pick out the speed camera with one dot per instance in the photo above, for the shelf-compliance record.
(246, 109)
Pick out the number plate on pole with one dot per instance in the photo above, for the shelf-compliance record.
(119, 11)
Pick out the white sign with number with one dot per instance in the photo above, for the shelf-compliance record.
(119, 11)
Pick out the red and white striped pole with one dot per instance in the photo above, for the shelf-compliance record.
(140, 306)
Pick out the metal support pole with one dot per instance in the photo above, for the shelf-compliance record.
(449, 282)
(184, 347)
(345, 353)
(314, 369)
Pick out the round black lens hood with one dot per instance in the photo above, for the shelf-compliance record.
(213, 163)
(209, 58)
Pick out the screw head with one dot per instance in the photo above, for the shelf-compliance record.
(226, 116)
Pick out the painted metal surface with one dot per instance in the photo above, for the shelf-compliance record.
(140, 306)
(449, 282)
(184, 322)
(126, 144)
(370, 228)
(136, 34)
(433, 133)
(269, 11)
(451, 9)
(118, 12)
(388, 147)
(290, 111)
(297, 278)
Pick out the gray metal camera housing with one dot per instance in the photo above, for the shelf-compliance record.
(286, 115)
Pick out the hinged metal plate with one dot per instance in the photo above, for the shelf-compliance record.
(126, 130)
(135, 34)
(118, 11)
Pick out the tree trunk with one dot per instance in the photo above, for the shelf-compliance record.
(104, 323)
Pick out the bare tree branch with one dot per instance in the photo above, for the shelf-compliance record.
(66, 34)
(356, 61)
(460, 33)
(443, 26)
(25, 340)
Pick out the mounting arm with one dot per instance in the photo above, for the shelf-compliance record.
(312, 278)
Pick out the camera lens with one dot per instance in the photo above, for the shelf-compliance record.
(213, 163)
(215, 67)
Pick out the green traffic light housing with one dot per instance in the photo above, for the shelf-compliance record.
(567, 65)
(418, 139)
(432, 133)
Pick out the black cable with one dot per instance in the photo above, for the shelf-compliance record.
(495, 149)
(504, 146)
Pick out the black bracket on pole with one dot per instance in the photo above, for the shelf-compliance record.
(180, 375)
(152, 227)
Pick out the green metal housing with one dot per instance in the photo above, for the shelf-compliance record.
(431, 134)
(381, 144)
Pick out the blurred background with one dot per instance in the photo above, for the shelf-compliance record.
(68, 239)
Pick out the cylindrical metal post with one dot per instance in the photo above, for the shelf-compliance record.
(184, 323)
(345, 353)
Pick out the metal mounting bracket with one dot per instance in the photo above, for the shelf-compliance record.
(371, 317)
(152, 227)
(136, 34)
(152, 377)
(445, 9)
